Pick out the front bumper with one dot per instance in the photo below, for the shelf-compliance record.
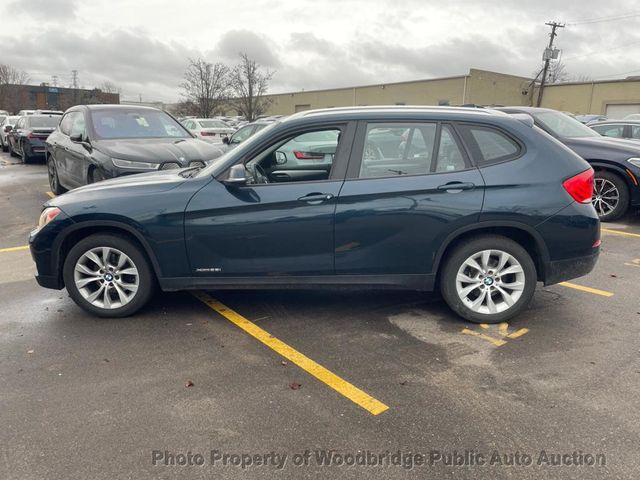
(45, 246)
(568, 269)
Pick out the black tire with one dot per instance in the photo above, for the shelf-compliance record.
(3, 145)
(465, 250)
(623, 196)
(11, 152)
(96, 175)
(23, 155)
(54, 180)
(146, 283)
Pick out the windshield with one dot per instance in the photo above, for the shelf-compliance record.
(121, 123)
(563, 125)
(227, 159)
(212, 124)
(44, 122)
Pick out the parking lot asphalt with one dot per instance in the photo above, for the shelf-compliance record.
(360, 375)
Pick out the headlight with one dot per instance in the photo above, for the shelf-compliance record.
(47, 215)
(635, 162)
(118, 162)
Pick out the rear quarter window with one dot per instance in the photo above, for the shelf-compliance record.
(490, 145)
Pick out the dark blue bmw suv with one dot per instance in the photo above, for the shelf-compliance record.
(476, 203)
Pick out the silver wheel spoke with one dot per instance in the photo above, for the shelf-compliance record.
(104, 288)
(478, 301)
(466, 279)
(490, 304)
(486, 255)
(467, 290)
(473, 264)
(504, 258)
(512, 269)
(505, 296)
(513, 286)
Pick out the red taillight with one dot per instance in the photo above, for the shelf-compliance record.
(580, 186)
(308, 155)
(30, 135)
(207, 134)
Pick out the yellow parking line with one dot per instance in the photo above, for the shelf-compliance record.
(595, 291)
(51, 194)
(357, 396)
(496, 341)
(619, 232)
(504, 328)
(14, 249)
(518, 333)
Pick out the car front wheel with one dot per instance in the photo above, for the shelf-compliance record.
(610, 196)
(489, 279)
(108, 276)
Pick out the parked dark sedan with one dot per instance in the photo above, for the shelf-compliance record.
(616, 162)
(95, 142)
(26, 139)
(478, 204)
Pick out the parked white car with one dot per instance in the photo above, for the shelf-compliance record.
(6, 121)
(208, 129)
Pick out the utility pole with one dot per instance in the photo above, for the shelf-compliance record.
(548, 55)
(54, 80)
(74, 76)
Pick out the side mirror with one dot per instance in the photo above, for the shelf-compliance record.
(237, 176)
(8, 128)
(76, 138)
(281, 158)
(225, 140)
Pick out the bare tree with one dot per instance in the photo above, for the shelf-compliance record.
(110, 87)
(10, 76)
(249, 83)
(205, 86)
(558, 72)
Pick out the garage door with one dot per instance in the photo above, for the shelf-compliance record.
(618, 112)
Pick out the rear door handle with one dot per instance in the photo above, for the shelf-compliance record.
(457, 187)
(316, 197)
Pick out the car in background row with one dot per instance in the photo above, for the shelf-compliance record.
(22, 113)
(4, 113)
(478, 204)
(6, 124)
(95, 142)
(616, 162)
(26, 139)
(627, 129)
(245, 132)
(208, 129)
(632, 116)
(588, 119)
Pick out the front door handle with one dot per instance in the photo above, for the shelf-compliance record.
(457, 187)
(316, 198)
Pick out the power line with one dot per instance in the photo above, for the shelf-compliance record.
(604, 19)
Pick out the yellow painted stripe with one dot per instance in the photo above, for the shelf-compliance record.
(632, 264)
(14, 249)
(504, 328)
(357, 396)
(518, 333)
(619, 232)
(595, 291)
(51, 194)
(496, 341)
(484, 326)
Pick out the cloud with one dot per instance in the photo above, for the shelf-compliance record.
(43, 9)
(257, 47)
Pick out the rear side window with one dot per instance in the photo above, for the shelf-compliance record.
(615, 131)
(490, 145)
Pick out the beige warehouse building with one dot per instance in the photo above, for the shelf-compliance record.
(615, 98)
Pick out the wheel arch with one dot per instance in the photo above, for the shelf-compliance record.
(523, 234)
(599, 165)
(82, 230)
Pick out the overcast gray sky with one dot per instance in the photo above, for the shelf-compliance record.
(143, 45)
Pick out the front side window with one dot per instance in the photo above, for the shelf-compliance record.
(78, 126)
(126, 123)
(615, 131)
(67, 122)
(241, 135)
(304, 157)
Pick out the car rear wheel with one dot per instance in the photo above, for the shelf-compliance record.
(54, 181)
(95, 176)
(489, 279)
(11, 151)
(108, 276)
(610, 196)
(3, 145)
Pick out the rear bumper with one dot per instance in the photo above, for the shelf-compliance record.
(562, 270)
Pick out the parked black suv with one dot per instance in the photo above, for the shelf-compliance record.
(616, 162)
(95, 142)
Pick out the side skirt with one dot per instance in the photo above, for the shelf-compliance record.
(407, 282)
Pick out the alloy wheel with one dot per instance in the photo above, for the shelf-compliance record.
(490, 281)
(606, 196)
(106, 277)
